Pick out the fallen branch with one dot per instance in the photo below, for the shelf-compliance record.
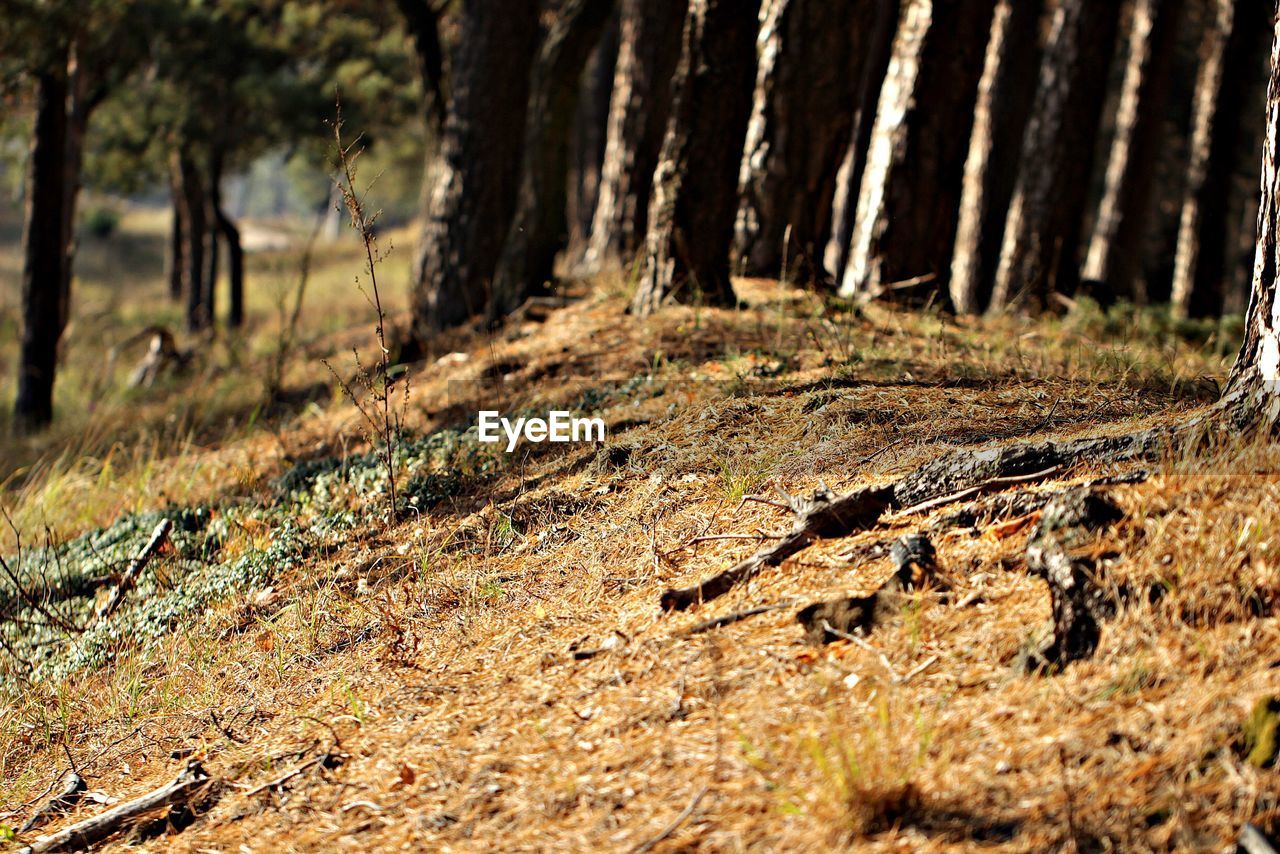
(193, 780)
(730, 619)
(971, 492)
(329, 759)
(139, 562)
(72, 791)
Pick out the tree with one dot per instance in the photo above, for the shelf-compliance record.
(590, 136)
(1204, 252)
(540, 227)
(801, 120)
(1000, 119)
(648, 52)
(1042, 233)
(1114, 263)
(910, 190)
(74, 53)
(844, 205)
(695, 188)
(44, 297)
(1251, 397)
(478, 178)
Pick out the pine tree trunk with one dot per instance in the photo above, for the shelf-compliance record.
(540, 227)
(1252, 395)
(590, 135)
(235, 268)
(1042, 233)
(195, 233)
(695, 189)
(174, 263)
(1204, 259)
(1113, 264)
(801, 120)
(1004, 101)
(422, 19)
(44, 299)
(648, 52)
(906, 221)
(478, 177)
(213, 204)
(874, 65)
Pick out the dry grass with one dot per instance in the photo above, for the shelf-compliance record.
(437, 655)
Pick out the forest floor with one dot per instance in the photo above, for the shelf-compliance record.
(496, 672)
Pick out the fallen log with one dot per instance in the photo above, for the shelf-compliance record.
(191, 782)
(131, 573)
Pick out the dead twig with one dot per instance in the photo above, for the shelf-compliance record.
(139, 562)
(650, 844)
(324, 758)
(985, 486)
(735, 617)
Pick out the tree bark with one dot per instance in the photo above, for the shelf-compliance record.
(906, 222)
(1252, 395)
(477, 180)
(590, 135)
(1042, 232)
(422, 19)
(1004, 101)
(805, 99)
(648, 52)
(195, 232)
(540, 227)
(235, 268)
(44, 294)
(874, 67)
(177, 236)
(213, 203)
(1205, 253)
(695, 190)
(1113, 265)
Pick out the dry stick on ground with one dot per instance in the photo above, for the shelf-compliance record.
(72, 791)
(182, 789)
(323, 759)
(730, 619)
(139, 562)
(829, 516)
(650, 844)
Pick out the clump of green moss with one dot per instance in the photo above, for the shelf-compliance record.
(1261, 730)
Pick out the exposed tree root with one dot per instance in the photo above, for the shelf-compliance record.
(958, 475)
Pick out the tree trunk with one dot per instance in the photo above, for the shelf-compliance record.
(1205, 253)
(695, 189)
(235, 268)
(195, 232)
(590, 135)
(176, 235)
(1113, 265)
(44, 298)
(1000, 119)
(540, 227)
(422, 19)
(906, 222)
(1252, 394)
(648, 52)
(1042, 232)
(844, 204)
(213, 203)
(477, 180)
(805, 100)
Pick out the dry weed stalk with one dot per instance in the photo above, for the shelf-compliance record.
(381, 416)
